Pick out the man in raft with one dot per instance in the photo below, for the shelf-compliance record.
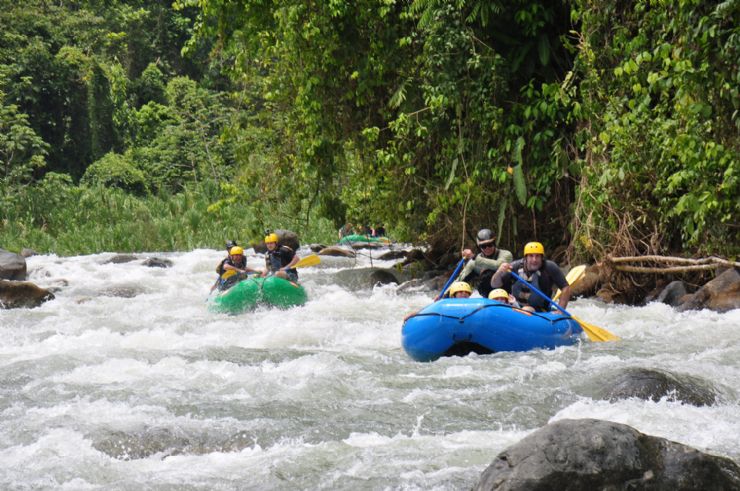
(543, 274)
(483, 265)
(280, 259)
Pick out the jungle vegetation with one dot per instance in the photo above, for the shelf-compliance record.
(595, 127)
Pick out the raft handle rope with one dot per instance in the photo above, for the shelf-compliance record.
(486, 306)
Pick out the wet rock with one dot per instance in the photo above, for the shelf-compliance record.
(590, 454)
(156, 262)
(57, 285)
(285, 237)
(25, 252)
(288, 238)
(316, 247)
(337, 251)
(123, 291)
(414, 255)
(365, 277)
(121, 259)
(398, 254)
(140, 445)
(722, 294)
(12, 266)
(22, 294)
(383, 277)
(449, 260)
(644, 383)
(607, 295)
(672, 293)
(165, 442)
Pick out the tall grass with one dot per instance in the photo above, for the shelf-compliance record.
(61, 218)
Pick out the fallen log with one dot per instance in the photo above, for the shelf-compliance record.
(702, 264)
(672, 259)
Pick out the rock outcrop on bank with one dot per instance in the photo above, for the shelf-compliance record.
(589, 454)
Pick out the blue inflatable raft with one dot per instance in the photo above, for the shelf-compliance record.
(460, 326)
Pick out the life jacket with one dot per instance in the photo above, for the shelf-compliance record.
(227, 260)
(280, 257)
(525, 295)
(230, 278)
(241, 264)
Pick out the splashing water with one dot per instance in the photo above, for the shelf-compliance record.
(127, 381)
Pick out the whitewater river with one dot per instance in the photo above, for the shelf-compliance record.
(127, 381)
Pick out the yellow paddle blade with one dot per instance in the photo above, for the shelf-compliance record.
(596, 333)
(228, 274)
(573, 277)
(310, 260)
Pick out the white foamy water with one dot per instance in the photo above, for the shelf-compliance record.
(127, 381)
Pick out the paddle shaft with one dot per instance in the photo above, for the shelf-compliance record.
(536, 290)
(452, 278)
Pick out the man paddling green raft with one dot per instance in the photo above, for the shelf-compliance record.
(276, 286)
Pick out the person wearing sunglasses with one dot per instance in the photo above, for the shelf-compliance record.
(483, 265)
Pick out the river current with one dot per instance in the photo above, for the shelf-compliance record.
(126, 381)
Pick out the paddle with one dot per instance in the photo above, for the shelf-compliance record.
(310, 260)
(573, 277)
(595, 333)
(452, 278)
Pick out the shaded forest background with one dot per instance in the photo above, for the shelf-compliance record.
(595, 127)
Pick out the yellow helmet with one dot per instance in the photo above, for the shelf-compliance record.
(271, 238)
(498, 293)
(534, 248)
(236, 251)
(460, 286)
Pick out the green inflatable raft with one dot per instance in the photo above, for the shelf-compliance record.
(364, 239)
(248, 294)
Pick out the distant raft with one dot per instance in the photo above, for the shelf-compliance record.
(460, 326)
(364, 239)
(252, 292)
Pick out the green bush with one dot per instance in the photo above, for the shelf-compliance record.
(116, 171)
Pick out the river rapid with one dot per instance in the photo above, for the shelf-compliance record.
(126, 381)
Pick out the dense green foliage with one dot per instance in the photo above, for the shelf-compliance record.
(55, 215)
(611, 127)
(660, 171)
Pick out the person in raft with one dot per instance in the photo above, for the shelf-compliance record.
(280, 259)
(235, 268)
(540, 272)
(345, 230)
(483, 265)
(502, 296)
(220, 267)
(460, 289)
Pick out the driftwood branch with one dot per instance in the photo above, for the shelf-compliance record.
(671, 259)
(676, 269)
(702, 264)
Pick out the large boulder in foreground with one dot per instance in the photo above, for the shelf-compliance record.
(12, 266)
(588, 454)
(20, 294)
